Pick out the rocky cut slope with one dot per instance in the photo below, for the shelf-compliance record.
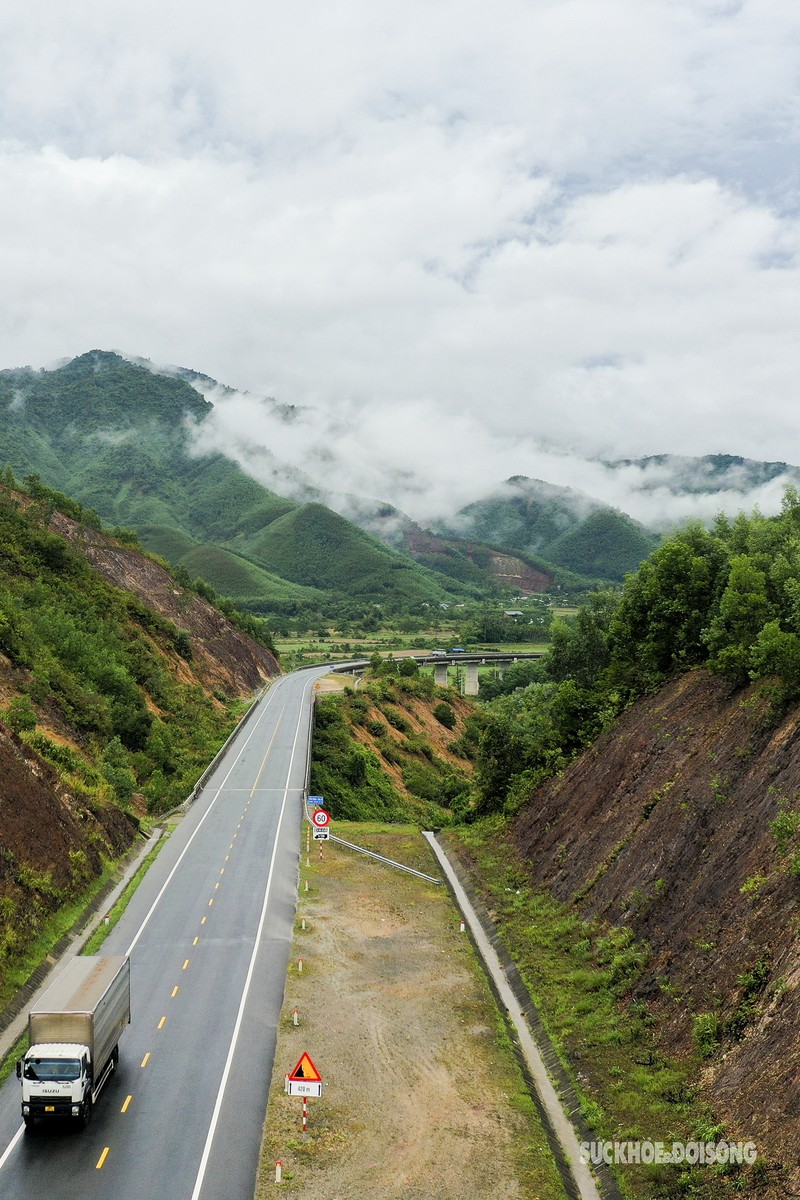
(683, 823)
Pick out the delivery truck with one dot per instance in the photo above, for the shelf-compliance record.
(74, 1030)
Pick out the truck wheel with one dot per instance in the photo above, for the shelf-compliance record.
(86, 1112)
(29, 1122)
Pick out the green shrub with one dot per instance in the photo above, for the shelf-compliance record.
(20, 714)
(705, 1033)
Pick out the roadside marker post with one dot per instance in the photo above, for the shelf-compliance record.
(295, 1017)
(278, 1171)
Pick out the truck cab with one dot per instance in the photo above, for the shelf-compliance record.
(56, 1081)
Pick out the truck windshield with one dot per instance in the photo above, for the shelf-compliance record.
(52, 1068)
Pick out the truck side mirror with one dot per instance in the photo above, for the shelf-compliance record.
(19, 1068)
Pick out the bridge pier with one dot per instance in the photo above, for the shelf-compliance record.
(440, 674)
(470, 679)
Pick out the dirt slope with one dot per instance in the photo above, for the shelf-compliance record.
(667, 824)
(223, 657)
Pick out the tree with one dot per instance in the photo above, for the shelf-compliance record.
(743, 610)
(665, 608)
(579, 648)
(777, 652)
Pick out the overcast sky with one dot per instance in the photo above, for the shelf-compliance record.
(479, 240)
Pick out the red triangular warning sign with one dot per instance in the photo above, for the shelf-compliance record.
(305, 1069)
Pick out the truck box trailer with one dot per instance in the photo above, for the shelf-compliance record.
(74, 1030)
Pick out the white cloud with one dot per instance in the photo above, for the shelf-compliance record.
(471, 238)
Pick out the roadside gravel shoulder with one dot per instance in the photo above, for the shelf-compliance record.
(423, 1095)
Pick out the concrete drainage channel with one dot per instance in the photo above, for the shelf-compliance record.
(381, 858)
(578, 1179)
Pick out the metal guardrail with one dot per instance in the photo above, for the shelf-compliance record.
(382, 858)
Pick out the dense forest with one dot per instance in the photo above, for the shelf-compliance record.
(727, 598)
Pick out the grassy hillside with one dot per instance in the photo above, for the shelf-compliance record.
(117, 437)
(314, 546)
(607, 545)
(93, 678)
(557, 527)
(391, 750)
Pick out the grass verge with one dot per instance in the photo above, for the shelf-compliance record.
(104, 929)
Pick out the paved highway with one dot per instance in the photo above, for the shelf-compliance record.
(208, 932)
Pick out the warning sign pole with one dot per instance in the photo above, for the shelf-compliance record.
(305, 1117)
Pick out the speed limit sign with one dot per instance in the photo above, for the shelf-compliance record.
(321, 818)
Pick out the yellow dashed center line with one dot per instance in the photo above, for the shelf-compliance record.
(185, 965)
(103, 1157)
(125, 1105)
(203, 921)
(146, 1059)
(194, 943)
(162, 1022)
(211, 901)
(174, 993)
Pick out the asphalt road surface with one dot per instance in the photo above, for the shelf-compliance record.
(208, 932)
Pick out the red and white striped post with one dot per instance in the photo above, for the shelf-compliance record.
(296, 1017)
(278, 1171)
(305, 1115)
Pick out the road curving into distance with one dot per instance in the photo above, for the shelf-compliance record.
(208, 932)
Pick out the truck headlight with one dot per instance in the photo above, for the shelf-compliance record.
(76, 1108)
(26, 1110)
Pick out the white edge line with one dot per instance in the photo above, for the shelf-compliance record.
(12, 1144)
(168, 880)
(240, 1015)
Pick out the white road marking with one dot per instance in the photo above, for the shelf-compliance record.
(232, 1049)
(169, 878)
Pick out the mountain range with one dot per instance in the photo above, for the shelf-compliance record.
(119, 436)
